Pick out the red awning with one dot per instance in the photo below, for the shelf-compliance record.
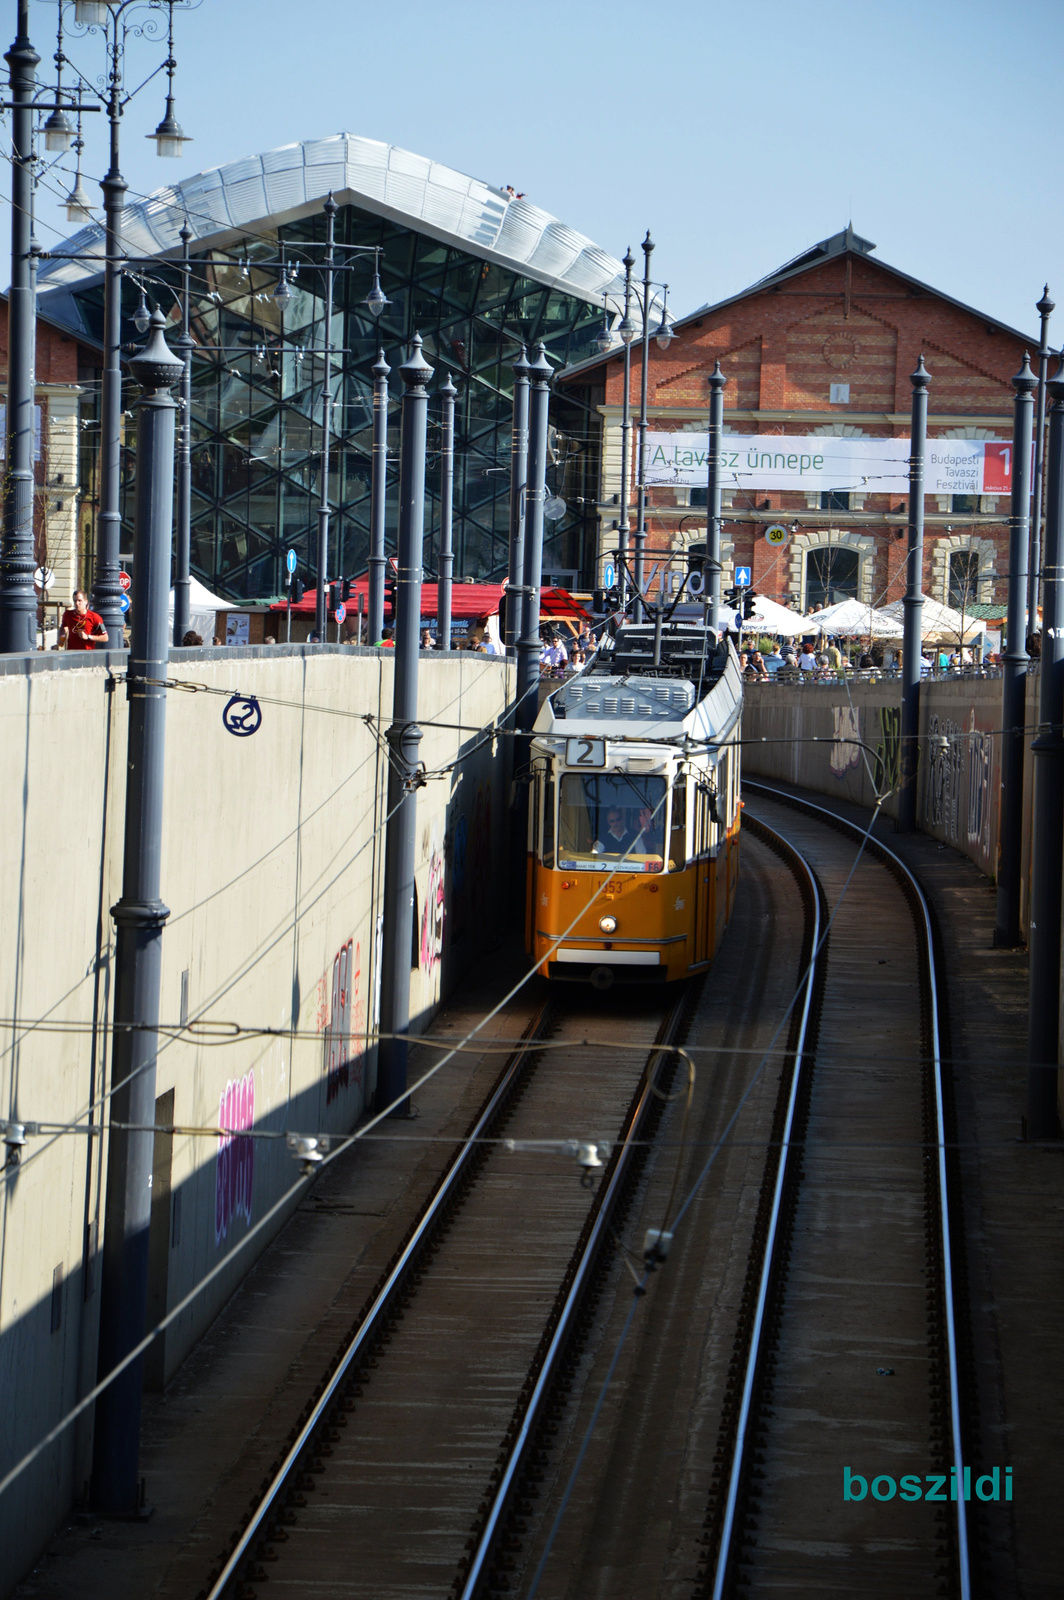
(469, 601)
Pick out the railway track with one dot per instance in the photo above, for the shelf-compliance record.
(420, 1451)
(848, 1352)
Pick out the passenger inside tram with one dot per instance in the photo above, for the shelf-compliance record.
(610, 817)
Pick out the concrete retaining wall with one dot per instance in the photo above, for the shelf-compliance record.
(272, 868)
(805, 733)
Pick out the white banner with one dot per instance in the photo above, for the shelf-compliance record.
(815, 462)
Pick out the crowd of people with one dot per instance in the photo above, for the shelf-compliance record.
(810, 662)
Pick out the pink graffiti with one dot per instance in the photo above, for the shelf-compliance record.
(235, 1170)
(346, 1001)
(432, 916)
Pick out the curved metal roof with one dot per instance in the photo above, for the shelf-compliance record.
(294, 179)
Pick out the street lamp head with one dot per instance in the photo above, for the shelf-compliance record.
(58, 132)
(626, 328)
(604, 340)
(665, 334)
(169, 136)
(94, 12)
(142, 315)
(282, 295)
(78, 205)
(376, 300)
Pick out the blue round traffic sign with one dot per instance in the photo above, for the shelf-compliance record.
(124, 603)
(341, 612)
(609, 575)
(290, 561)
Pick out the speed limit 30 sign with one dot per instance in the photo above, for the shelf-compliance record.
(777, 535)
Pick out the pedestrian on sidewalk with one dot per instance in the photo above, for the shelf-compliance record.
(81, 629)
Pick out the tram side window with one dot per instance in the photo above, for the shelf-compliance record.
(678, 830)
(725, 798)
(548, 823)
(611, 818)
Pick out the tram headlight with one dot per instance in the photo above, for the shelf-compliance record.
(608, 924)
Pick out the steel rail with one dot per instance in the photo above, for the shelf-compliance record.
(365, 1330)
(918, 902)
(754, 1353)
(608, 1194)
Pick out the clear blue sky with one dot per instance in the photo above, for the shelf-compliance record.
(739, 134)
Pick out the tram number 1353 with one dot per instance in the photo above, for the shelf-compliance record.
(585, 752)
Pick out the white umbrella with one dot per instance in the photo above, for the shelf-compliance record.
(853, 617)
(773, 618)
(940, 623)
(202, 608)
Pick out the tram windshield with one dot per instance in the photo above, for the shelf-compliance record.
(608, 818)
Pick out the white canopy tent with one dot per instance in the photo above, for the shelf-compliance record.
(770, 617)
(202, 609)
(940, 624)
(853, 618)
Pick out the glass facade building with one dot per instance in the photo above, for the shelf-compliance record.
(456, 264)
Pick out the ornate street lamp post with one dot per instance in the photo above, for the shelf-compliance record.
(115, 19)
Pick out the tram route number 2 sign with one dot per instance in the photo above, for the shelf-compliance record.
(585, 752)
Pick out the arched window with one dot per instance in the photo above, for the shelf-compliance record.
(963, 579)
(831, 574)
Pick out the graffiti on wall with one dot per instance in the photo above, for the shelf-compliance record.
(844, 753)
(886, 769)
(340, 1004)
(235, 1167)
(980, 786)
(430, 949)
(945, 766)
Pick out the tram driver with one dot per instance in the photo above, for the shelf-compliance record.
(622, 837)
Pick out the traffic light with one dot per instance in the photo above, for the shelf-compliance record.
(749, 596)
(299, 589)
(347, 589)
(731, 597)
(598, 601)
(334, 596)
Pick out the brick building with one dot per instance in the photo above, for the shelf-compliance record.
(61, 361)
(823, 348)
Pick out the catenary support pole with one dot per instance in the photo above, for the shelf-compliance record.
(1014, 675)
(184, 347)
(107, 587)
(515, 593)
(378, 499)
(1045, 308)
(320, 618)
(1047, 832)
(404, 738)
(712, 576)
(641, 438)
(18, 602)
(627, 330)
(443, 605)
(139, 918)
(529, 647)
(911, 654)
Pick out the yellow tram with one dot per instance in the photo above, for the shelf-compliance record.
(634, 809)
